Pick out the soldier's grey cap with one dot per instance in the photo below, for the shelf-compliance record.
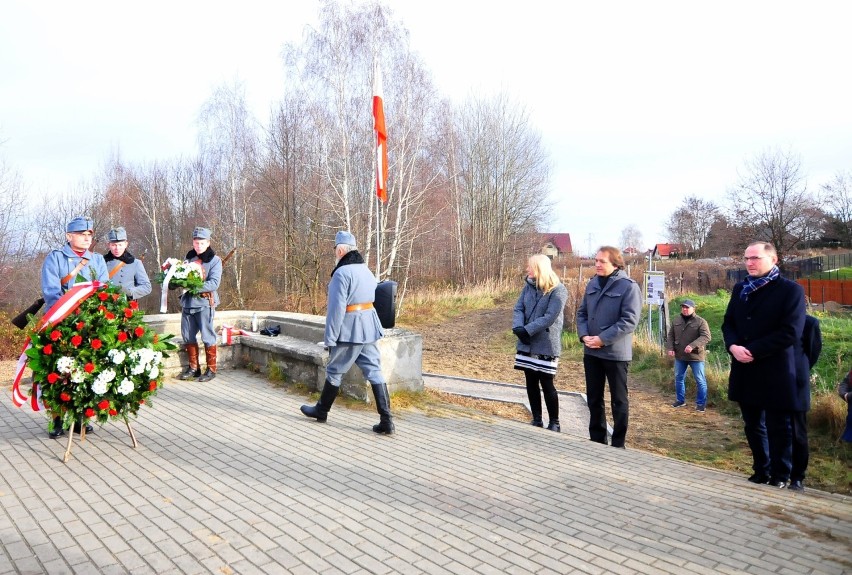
(118, 234)
(200, 233)
(688, 303)
(79, 224)
(344, 238)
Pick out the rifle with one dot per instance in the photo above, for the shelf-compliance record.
(20, 321)
(227, 257)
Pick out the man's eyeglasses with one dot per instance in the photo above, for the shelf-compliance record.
(753, 258)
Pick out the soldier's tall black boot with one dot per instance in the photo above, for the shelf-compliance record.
(58, 431)
(323, 406)
(385, 424)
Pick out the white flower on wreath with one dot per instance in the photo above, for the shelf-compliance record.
(64, 364)
(99, 386)
(117, 356)
(78, 375)
(155, 371)
(125, 387)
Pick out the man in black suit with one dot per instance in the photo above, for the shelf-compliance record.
(769, 377)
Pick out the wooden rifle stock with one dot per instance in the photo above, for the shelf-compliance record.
(230, 253)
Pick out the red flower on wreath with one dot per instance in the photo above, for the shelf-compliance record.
(103, 404)
(109, 315)
(103, 296)
(152, 386)
(89, 367)
(113, 412)
(128, 313)
(101, 308)
(80, 325)
(115, 297)
(52, 377)
(55, 335)
(90, 412)
(76, 340)
(139, 331)
(134, 304)
(141, 402)
(96, 343)
(47, 350)
(122, 336)
(64, 396)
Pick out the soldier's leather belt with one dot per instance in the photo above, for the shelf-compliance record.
(359, 307)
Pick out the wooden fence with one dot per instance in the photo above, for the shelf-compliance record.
(821, 291)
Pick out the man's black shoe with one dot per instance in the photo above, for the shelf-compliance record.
(778, 484)
(759, 478)
(796, 486)
(57, 432)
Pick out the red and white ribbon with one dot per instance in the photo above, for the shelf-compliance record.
(69, 301)
(164, 290)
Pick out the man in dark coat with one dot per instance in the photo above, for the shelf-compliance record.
(763, 328)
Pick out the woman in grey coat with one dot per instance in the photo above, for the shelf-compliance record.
(537, 323)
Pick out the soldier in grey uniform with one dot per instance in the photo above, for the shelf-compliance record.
(352, 329)
(197, 311)
(124, 269)
(64, 267)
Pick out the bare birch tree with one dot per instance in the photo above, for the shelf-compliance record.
(772, 198)
(501, 179)
(228, 140)
(837, 199)
(689, 225)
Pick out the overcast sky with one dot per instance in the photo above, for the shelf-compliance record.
(639, 103)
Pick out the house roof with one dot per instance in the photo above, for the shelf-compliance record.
(665, 250)
(561, 242)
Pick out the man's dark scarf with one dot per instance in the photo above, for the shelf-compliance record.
(126, 257)
(205, 256)
(751, 284)
(348, 258)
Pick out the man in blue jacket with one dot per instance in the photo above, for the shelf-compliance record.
(763, 329)
(197, 310)
(352, 329)
(62, 268)
(125, 270)
(606, 320)
(72, 263)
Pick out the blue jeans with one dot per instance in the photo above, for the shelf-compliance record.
(700, 380)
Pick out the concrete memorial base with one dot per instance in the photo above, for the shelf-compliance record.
(295, 355)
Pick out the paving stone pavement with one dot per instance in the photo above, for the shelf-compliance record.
(229, 477)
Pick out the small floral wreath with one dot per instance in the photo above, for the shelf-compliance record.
(101, 362)
(186, 275)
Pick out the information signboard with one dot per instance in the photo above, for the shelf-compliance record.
(655, 287)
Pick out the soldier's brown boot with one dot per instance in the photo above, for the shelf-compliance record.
(192, 370)
(210, 353)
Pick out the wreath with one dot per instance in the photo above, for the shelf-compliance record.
(186, 275)
(101, 362)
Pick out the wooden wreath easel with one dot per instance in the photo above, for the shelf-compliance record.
(67, 455)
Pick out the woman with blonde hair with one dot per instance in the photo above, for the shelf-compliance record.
(537, 322)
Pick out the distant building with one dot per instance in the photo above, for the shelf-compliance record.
(555, 245)
(668, 251)
(630, 251)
